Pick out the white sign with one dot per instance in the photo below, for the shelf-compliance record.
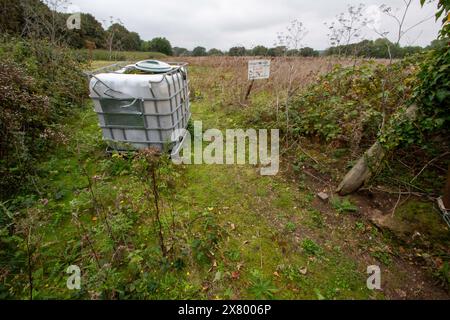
(258, 69)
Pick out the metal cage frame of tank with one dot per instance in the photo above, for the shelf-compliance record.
(136, 107)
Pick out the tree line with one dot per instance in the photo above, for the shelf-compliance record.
(382, 48)
(242, 51)
(43, 19)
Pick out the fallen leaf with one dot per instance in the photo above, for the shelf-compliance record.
(235, 275)
(276, 274)
(304, 271)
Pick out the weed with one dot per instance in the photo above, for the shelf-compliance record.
(343, 205)
(291, 227)
(382, 256)
(360, 226)
(316, 218)
(293, 273)
(118, 165)
(311, 248)
(261, 287)
(233, 255)
(443, 274)
(206, 234)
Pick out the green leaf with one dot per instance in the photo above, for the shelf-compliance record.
(319, 295)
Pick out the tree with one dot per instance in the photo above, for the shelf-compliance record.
(237, 51)
(381, 48)
(11, 16)
(199, 52)
(399, 16)
(277, 51)
(260, 51)
(132, 41)
(145, 45)
(91, 31)
(428, 113)
(308, 52)
(124, 39)
(293, 37)
(215, 52)
(180, 52)
(347, 27)
(439, 43)
(161, 45)
(111, 42)
(293, 53)
(303, 52)
(43, 20)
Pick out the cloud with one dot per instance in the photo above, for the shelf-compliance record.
(225, 23)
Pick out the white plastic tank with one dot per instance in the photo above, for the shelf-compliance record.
(137, 111)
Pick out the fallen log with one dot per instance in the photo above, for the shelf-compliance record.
(369, 163)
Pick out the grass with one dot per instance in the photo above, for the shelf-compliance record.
(247, 257)
(122, 55)
(343, 205)
(230, 239)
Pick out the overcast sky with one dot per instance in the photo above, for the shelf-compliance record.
(226, 23)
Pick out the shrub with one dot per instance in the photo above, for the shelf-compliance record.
(105, 55)
(431, 95)
(261, 287)
(40, 84)
(311, 248)
(23, 118)
(343, 205)
(350, 104)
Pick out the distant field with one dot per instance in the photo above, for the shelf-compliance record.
(104, 55)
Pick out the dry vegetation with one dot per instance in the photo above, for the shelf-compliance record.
(225, 232)
(230, 76)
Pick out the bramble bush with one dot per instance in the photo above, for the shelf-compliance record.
(431, 95)
(351, 104)
(432, 98)
(40, 85)
(24, 116)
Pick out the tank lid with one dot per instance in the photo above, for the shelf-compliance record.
(154, 66)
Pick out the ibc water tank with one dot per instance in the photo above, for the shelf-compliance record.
(137, 111)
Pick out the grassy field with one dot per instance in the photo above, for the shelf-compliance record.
(105, 55)
(230, 233)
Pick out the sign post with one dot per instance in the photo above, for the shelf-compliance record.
(257, 69)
